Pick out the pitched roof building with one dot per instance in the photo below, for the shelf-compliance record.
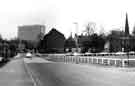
(53, 42)
(122, 41)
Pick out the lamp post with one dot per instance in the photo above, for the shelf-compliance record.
(76, 36)
(126, 43)
(126, 47)
(128, 50)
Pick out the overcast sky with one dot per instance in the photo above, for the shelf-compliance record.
(61, 14)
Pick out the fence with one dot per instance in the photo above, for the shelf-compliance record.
(120, 61)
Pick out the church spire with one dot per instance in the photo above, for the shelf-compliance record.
(126, 26)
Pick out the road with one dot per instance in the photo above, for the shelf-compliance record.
(46, 73)
(40, 72)
(14, 73)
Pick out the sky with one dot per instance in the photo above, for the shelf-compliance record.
(61, 14)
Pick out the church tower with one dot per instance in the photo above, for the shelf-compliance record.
(126, 26)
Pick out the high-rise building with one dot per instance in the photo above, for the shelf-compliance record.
(31, 32)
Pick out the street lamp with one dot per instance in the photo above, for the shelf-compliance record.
(125, 43)
(76, 36)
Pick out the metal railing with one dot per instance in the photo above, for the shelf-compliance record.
(110, 60)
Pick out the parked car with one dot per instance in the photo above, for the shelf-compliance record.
(28, 55)
(4, 60)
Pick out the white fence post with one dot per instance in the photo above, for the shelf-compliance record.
(115, 62)
(123, 63)
(108, 61)
(90, 59)
(97, 60)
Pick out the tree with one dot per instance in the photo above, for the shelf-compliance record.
(1, 38)
(40, 46)
(133, 31)
(97, 43)
(70, 43)
(94, 42)
(86, 45)
(40, 36)
(90, 27)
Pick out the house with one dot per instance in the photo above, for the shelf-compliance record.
(53, 42)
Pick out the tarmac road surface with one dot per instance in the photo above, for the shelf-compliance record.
(46, 73)
(14, 73)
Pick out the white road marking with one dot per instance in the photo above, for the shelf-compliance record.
(30, 74)
(36, 60)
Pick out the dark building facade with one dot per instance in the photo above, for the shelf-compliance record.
(122, 40)
(53, 42)
(70, 44)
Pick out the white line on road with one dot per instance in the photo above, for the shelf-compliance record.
(36, 60)
(30, 73)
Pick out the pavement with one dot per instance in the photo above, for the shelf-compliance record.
(47, 73)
